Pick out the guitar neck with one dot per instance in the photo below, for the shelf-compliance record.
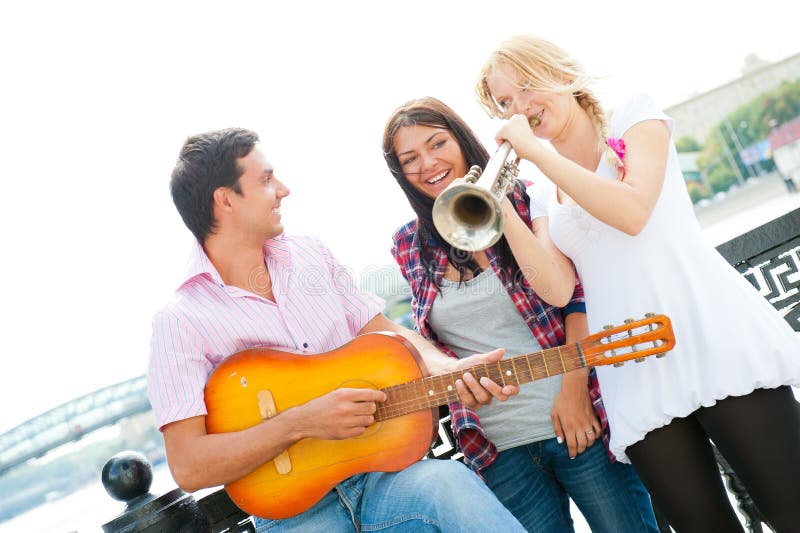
(434, 391)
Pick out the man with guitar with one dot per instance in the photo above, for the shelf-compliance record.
(249, 285)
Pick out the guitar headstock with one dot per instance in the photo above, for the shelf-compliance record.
(636, 339)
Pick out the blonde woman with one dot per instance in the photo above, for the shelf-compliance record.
(618, 207)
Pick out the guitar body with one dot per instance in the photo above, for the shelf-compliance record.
(259, 383)
(235, 398)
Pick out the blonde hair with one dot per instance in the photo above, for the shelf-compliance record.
(545, 67)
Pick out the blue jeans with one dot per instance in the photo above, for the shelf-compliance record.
(535, 482)
(431, 495)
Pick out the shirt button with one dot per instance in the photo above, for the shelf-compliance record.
(305, 345)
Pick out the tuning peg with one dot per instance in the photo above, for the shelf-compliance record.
(660, 355)
(613, 352)
(619, 364)
(639, 359)
(629, 321)
(649, 315)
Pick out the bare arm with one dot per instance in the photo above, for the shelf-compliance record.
(625, 205)
(573, 413)
(471, 392)
(548, 271)
(198, 459)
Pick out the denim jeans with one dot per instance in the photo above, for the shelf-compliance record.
(535, 482)
(431, 495)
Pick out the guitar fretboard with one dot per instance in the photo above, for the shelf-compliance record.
(439, 390)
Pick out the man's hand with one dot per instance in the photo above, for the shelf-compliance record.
(473, 392)
(340, 414)
(574, 419)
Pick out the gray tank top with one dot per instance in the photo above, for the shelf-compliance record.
(478, 316)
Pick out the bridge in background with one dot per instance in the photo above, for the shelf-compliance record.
(72, 420)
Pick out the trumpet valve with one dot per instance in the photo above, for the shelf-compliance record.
(473, 174)
(511, 169)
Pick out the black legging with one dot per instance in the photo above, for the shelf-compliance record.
(758, 434)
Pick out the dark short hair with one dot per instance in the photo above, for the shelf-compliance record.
(208, 161)
(428, 111)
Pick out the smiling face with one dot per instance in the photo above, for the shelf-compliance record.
(516, 96)
(429, 157)
(256, 210)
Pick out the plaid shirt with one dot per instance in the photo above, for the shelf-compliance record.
(545, 321)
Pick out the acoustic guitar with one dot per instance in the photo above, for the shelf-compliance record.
(259, 383)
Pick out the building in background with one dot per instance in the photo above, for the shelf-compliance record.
(696, 116)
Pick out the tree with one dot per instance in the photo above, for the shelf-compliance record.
(688, 144)
(750, 123)
(721, 177)
(715, 163)
(697, 191)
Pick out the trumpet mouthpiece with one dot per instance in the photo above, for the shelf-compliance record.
(534, 121)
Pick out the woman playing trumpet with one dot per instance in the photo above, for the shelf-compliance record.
(536, 451)
(617, 206)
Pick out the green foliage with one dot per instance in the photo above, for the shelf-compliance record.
(400, 313)
(752, 120)
(688, 144)
(711, 154)
(750, 123)
(697, 191)
(721, 177)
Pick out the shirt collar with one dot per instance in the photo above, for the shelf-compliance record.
(276, 249)
(200, 265)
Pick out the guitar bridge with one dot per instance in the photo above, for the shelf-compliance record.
(266, 406)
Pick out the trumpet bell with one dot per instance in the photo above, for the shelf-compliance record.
(467, 213)
(468, 217)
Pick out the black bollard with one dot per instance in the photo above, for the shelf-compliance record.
(127, 477)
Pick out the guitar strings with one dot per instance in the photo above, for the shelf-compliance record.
(432, 391)
(427, 392)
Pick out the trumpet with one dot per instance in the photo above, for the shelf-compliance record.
(467, 213)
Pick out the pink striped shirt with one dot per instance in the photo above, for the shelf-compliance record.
(317, 308)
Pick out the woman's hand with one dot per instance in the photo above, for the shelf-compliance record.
(574, 419)
(518, 132)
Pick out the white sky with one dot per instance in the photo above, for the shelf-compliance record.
(96, 99)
